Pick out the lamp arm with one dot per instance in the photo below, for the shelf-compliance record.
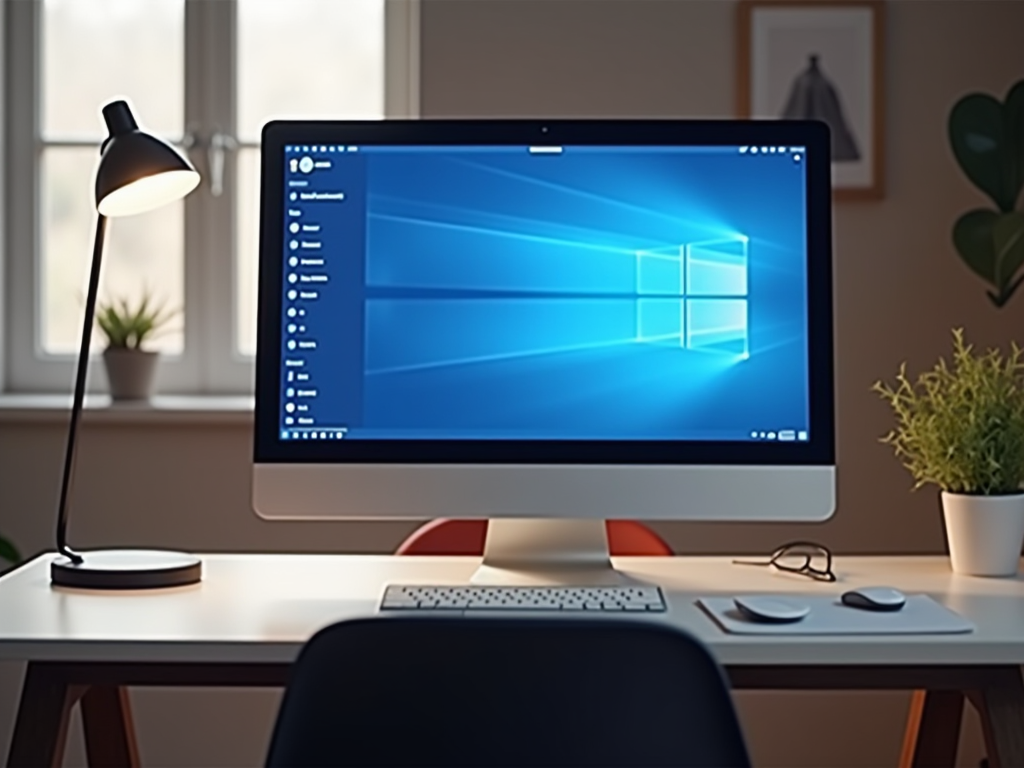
(76, 406)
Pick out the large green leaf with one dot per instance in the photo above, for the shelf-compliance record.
(1013, 109)
(9, 552)
(1008, 239)
(977, 133)
(972, 236)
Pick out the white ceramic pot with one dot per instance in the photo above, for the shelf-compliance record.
(985, 533)
(130, 372)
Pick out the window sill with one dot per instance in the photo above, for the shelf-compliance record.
(183, 410)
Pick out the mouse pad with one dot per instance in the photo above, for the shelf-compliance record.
(921, 615)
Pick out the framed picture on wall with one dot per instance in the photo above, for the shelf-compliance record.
(819, 59)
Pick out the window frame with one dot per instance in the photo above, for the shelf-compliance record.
(210, 363)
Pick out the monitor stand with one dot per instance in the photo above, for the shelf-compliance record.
(547, 552)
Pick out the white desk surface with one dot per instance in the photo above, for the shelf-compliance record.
(261, 608)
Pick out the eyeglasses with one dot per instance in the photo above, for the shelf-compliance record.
(803, 557)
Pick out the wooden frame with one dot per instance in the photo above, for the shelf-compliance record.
(861, 174)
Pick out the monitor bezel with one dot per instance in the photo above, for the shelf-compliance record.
(819, 450)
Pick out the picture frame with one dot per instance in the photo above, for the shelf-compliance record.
(820, 59)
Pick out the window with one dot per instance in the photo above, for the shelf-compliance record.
(205, 74)
(693, 295)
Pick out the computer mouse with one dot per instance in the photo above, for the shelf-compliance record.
(875, 598)
(778, 610)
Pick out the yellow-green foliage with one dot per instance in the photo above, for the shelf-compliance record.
(127, 326)
(961, 426)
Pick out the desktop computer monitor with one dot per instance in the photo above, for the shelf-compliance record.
(561, 321)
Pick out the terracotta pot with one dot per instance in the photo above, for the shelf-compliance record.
(985, 533)
(130, 372)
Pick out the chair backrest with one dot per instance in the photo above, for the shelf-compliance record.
(429, 691)
(466, 537)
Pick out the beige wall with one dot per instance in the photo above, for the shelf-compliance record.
(899, 291)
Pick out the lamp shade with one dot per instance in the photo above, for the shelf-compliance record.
(138, 172)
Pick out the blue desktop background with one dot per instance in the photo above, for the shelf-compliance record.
(501, 295)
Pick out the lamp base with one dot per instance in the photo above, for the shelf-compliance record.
(127, 569)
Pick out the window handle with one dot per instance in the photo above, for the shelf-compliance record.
(220, 144)
(189, 140)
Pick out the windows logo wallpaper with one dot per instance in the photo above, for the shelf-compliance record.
(596, 293)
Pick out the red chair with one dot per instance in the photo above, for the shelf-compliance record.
(466, 537)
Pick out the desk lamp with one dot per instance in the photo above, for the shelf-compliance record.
(137, 173)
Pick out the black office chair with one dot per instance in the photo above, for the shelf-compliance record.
(421, 691)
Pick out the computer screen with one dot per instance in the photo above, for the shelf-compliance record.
(544, 293)
(572, 292)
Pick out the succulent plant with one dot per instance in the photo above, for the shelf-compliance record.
(128, 325)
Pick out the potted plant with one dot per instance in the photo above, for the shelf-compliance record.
(960, 427)
(131, 370)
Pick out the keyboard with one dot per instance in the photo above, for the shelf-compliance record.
(615, 599)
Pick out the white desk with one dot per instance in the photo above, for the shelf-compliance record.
(247, 620)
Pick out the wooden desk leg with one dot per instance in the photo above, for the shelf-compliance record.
(40, 730)
(107, 725)
(933, 729)
(1001, 708)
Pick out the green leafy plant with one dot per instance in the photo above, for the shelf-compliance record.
(960, 426)
(9, 552)
(128, 325)
(988, 141)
